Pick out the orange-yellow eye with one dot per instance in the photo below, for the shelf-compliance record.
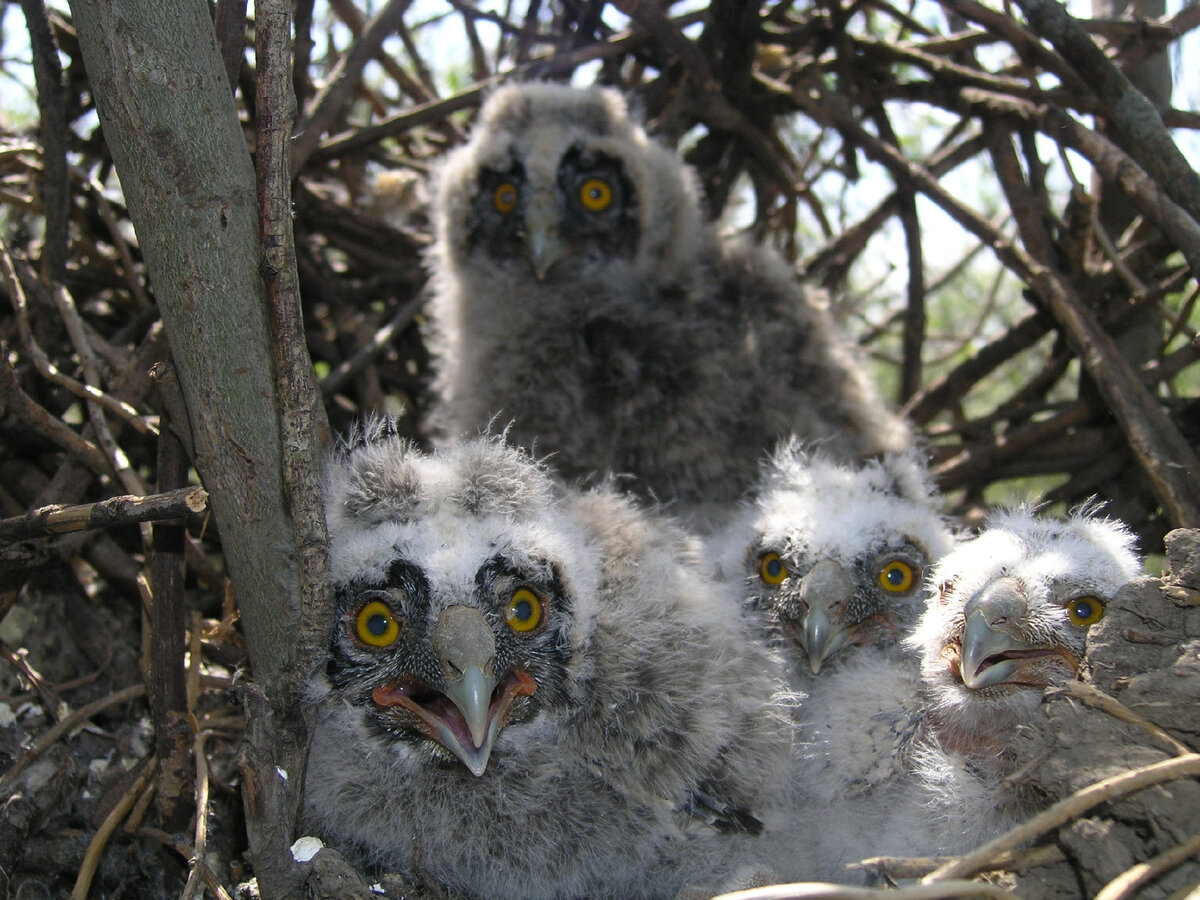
(524, 611)
(1085, 611)
(897, 576)
(771, 568)
(376, 626)
(596, 194)
(504, 198)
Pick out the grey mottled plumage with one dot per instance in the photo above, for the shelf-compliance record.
(531, 692)
(579, 293)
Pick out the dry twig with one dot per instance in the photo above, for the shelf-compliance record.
(110, 513)
(95, 848)
(1067, 809)
(1097, 699)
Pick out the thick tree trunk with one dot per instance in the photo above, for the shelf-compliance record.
(169, 120)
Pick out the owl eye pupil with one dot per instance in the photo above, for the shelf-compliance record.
(376, 625)
(504, 198)
(897, 576)
(772, 569)
(1085, 611)
(596, 194)
(524, 612)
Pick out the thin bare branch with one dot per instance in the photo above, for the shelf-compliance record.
(111, 513)
(1065, 810)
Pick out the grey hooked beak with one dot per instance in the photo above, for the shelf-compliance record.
(992, 651)
(466, 649)
(545, 248)
(466, 713)
(825, 587)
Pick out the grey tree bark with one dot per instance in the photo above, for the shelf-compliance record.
(169, 120)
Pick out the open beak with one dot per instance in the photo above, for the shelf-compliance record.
(466, 714)
(987, 654)
(992, 651)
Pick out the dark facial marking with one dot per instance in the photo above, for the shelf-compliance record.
(611, 231)
(494, 225)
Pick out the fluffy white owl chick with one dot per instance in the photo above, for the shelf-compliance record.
(1008, 615)
(831, 554)
(531, 691)
(579, 293)
(869, 780)
(916, 746)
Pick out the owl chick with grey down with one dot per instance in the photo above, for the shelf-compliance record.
(579, 293)
(1006, 616)
(531, 690)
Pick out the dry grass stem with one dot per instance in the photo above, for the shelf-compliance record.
(91, 858)
(67, 724)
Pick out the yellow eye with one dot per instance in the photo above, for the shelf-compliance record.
(1085, 611)
(376, 626)
(596, 194)
(897, 576)
(524, 611)
(771, 568)
(504, 198)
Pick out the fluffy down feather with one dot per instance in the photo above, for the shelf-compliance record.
(904, 743)
(636, 695)
(814, 552)
(628, 339)
(1008, 616)
(830, 555)
(871, 781)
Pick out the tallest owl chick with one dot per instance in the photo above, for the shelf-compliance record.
(580, 295)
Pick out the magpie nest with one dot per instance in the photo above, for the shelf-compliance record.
(121, 719)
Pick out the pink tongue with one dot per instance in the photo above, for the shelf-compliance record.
(442, 709)
(453, 719)
(439, 708)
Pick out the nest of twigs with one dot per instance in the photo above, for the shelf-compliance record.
(120, 706)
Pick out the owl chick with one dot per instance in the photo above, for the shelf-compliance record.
(1008, 617)
(829, 557)
(831, 554)
(578, 292)
(917, 746)
(531, 691)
